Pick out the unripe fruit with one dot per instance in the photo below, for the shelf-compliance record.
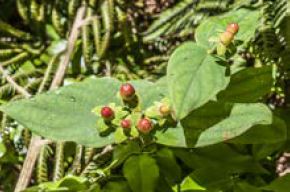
(233, 28)
(107, 113)
(226, 38)
(164, 110)
(126, 124)
(127, 91)
(145, 125)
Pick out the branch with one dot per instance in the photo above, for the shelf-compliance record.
(33, 151)
(58, 78)
(10, 80)
(36, 142)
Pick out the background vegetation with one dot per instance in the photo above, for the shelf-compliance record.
(132, 40)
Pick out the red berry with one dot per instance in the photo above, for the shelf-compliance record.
(226, 38)
(107, 113)
(233, 28)
(127, 91)
(126, 124)
(164, 110)
(145, 125)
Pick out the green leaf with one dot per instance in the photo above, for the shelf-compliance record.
(116, 186)
(119, 135)
(194, 78)
(245, 187)
(219, 156)
(212, 27)
(66, 114)
(171, 137)
(282, 184)
(73, 183)
(2, 148)
(204, 118)
(248, 85)
(212, 178)
(125, 150)
(268, 134)
(148, 92)
(163, 186)
(69, 183)
(142, 173)
(188, 184)
(261, 151)
(241, 119)
(168, 166)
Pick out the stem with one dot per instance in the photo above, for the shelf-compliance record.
(36, 142)
(70, 47)
(10, 80)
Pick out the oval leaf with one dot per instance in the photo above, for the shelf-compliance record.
(194, 78)
(248, 85)
(66, 114)
(142, 173)
(241, 119)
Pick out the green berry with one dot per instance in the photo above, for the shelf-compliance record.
(226, 38)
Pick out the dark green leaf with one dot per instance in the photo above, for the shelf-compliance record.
(248, 85)
(142, 173)
(281, 184)
(220, 156)
(116, 186)
(245, 187)
(168, 166)
(125, 150)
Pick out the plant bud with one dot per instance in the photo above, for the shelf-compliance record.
(233, 28)
(107, 113)
(126, 124)
(127, 91)
(145, 125)
(226, 38)
(164, 110)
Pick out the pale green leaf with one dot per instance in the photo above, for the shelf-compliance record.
(194, 77)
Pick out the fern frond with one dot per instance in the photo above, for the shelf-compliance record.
(13, 32)
(182, 19)
(59, 162)
(42, 164)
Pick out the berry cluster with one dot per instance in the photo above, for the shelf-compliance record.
(144, 124)
(227, 37)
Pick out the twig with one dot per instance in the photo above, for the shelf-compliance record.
(36, 142)
(33, 151)
(17, 87)
(58, 78)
